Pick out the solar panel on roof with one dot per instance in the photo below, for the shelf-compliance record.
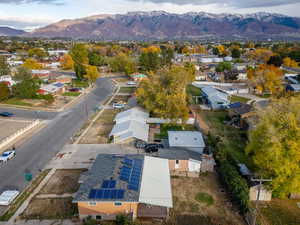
(128, 162)
(99, 194)
(105, 183)
(133, 187)
(112, 184)
(124, 178)
(106, 194)
(120, 194)
(92, 193)
(113, 194)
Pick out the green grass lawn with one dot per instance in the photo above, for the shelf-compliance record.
(193, 91)
(235, 98)
(204, 198)
(232, 140)
(72, 94)
(80, 83)
(164, 128)
(127, 90)
(16, 101)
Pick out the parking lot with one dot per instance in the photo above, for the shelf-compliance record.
(11, 126)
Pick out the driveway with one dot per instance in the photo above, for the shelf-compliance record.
(34, 154)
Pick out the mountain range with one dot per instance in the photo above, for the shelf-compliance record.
(7, 31)
(160, 25)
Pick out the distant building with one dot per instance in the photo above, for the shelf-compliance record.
(137, 76)
(53, 89)
(215, 98)
(7, 79)
(134, 185)
(42, 74)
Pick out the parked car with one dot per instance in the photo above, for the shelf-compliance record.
(8, 155)
(131, 83)
(140, 144)
(151, 149)
(74, 90)
(6, 114)
(8, 196)
(118, 105)
(156, 145)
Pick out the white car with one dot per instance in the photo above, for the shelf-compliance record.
(131, 83)
(8, 196)
(118, 106)
(8, 155)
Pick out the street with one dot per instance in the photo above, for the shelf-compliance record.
(35, 153)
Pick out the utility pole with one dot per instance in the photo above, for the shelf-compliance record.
(260, 180)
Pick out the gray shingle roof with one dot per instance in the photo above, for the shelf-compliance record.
(106, 167)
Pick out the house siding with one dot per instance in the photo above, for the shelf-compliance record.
(108, 210)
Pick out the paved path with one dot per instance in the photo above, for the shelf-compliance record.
(35, 153)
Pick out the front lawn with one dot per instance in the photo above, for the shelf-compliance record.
(71, 94)
(235, 98)
(80, 83)
(16, 101)
(193, 91)
(127, 90)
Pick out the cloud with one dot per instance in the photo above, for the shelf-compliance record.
(26, 23)
(229, 3)
(56, 2)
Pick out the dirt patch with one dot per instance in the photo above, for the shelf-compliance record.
(188, 209)
(58, 208)
(99, 132)
(62, 182)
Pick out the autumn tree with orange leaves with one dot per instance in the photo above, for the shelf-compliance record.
(288, 62)
(266, 78)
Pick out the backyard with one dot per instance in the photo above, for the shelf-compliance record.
(164, 128)
(202, 201)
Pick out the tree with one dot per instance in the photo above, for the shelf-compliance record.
(260, 55)
(149, 59)
(266, 78)
(275, 145)
(4, 68)
(67, 62)
(222, 66)
(37, 53)
(32, 64)
(288, 62)
(92, 74)
(167, 54)
(275, 60)
(95, 59)
(164, 94)
(79, 54)
(123, 63)
(4, 91)
(27, 86)
(236, 53)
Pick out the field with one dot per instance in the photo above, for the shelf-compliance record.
(200, 201)
(127, 90)
(71, 94)
(235, 98)
(16, 101)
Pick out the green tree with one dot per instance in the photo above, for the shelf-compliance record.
(123, 63)
(163, 93)
(222, 66)
(95, 59)
(4, 68)
(27, 86)
(37, 53)
(167, 54)
(275, 145)
(275, 60)
(79, 54)
(236, 53)
(150, 59)
(4, 91)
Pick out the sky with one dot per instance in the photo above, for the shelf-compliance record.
(29, 14)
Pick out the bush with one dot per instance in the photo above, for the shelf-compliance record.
(205, 198)
(235, 184)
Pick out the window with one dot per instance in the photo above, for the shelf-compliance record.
(92, 203)
(118, 203)
(98, 217)
(177, 162)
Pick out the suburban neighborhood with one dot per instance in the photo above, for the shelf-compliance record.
(171, 132)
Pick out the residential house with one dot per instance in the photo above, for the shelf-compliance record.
(215, 98)
(240, 66)
(7, 79)
(131, 125)
(42, 74)
(53, 89)
(64, 79)
(239, 113)
(137, 76)
(135, 185)
(293, 87)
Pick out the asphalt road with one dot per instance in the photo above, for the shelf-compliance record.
(35, 153)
